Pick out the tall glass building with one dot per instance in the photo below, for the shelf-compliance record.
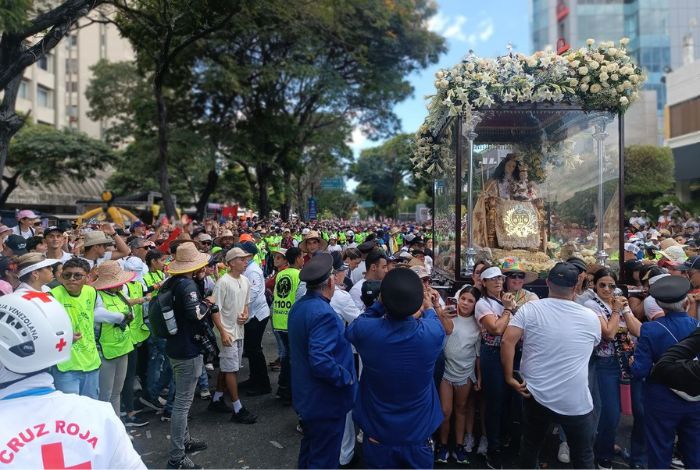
(655, 27)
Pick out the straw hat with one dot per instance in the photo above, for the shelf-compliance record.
(669, 242)
(96, 237)
(513, 265)
(110, 274)
(313, 234)
(674, 253)
(188, 259)
(394, 231)
(224, 234)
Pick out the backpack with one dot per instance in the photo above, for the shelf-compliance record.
(163, 303)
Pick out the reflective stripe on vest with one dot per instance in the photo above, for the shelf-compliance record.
(115, 342)
(84, 356)
(285, 292)
(138, 329)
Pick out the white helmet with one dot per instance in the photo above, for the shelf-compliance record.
(35, 332)
(349, 233)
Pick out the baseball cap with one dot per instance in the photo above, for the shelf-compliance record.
(26, 214)
(17, 244)
(563, 274)
(491, 272)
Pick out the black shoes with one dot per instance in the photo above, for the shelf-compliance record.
(195, 445)
(185, 462)
(244, 417)
(256, 392)
(219, 406)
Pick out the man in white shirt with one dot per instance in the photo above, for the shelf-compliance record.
(558, 338)
(333, 244)
(376, 270)
(259, 382)
(231, 294)
(96, 243)
(54, 239)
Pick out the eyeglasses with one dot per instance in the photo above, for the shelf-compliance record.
(205, 242)
(603, 285)
(72, 276)
(516, 275)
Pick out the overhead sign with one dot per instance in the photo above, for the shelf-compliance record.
(313, 209)
(333, 183)
(367, 204)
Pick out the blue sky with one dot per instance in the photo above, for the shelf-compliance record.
(486, 26)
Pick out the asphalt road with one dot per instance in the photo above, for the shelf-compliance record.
(273, 441)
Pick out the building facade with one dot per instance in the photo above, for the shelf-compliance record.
(657, 30)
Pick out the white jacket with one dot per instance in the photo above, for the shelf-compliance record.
(57, 430)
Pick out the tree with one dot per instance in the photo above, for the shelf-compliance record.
(44, 155)
(29, 29)
(648, 172)
(382, 173)
(162, 32)
(286, 75)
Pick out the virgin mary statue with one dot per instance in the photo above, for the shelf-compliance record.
(508, 213)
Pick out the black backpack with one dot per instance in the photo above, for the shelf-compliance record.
(163, 302)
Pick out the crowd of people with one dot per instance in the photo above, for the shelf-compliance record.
(364, 342)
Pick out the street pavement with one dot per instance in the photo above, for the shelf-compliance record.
(273, 441)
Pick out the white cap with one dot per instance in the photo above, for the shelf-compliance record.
(652, 280)
(305, 231)
(490, 273)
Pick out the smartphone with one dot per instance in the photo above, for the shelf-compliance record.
(518, 376)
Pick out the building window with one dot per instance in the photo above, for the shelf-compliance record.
(71, 65)
(44, 97)
(23, 90)
(71, 87)
(72, 111)
(45, 62)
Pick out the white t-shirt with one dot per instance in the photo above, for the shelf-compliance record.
(332, 248)
(27, 234)
(344, 305)
(461, 350)
(357, 274)
(356, 295)
(558, 339)
(107, 256)
(258, 303)
(232, 295)
(64, 257)
(62, 431)
(651, 308)
(488, 306)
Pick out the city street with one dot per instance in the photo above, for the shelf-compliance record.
(273, 441)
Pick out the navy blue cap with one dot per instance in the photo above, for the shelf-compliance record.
(17, 244)
(670, 289)
(249, 247)
(402, 292)
(564, 274)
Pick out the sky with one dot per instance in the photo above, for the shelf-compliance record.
(485, 26)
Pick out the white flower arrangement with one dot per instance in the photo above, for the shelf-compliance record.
(596, 77)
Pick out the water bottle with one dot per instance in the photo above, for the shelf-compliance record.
(170, 323)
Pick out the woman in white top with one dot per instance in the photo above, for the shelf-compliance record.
(492, 312)
(461, 371)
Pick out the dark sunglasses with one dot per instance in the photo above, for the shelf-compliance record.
(603, 285)
(205, 242)
(516, 275)
(73, 276)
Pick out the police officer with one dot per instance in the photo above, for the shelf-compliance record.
(398, 406)
(42, 427)
(667, 413)
(323, 377)
(284, 293)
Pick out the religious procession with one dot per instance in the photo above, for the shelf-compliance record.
(220, 249)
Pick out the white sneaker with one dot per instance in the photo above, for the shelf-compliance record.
(564, 456)
(469, 443)
(483, 446)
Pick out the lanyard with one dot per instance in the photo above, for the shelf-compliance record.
(30, 392)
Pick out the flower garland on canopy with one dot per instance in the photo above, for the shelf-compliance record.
(597, 77)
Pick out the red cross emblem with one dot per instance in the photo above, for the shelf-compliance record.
(37, 295)
(61, 344)
(52, 457)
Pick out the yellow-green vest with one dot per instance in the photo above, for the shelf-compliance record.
(84, 356)
(285, 292)
(151, 278)
(138, 329)
(115, 342)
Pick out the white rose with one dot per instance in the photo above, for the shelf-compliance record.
(593, 64)
(573, 82)
(590, 41)
(439, 74)
(624, 41)
(603, 69)
(470, 66)
(532, 62)
(583, 70)
(620, 88)
(586, 79)
(604, 76)
(624, 101)
(575, 64)
(627, 85)
(595, 88)
(584, 87)
(612, 67)
(634, 78)
(615, 77)
(612, 51)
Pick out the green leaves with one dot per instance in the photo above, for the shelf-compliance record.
(648, 170)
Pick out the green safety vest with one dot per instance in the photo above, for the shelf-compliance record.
(138, 329)
(151, 278)
(114, 341)
(341, 238)
(260, 256)
(285, 292)
(81, 310)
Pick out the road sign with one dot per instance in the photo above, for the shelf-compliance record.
(333, 183)
(313, 209)
(367, 204)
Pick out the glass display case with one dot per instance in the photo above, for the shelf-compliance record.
(533, 181)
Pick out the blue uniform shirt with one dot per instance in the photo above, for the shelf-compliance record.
(323, 371)
(398, 403)
(653, 341)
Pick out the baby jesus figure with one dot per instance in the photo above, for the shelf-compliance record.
(522, 189)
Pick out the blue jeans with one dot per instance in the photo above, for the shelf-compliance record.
(185, 372)
(203, 380)
(608, 377)
(638, 447)
(503, 404)
(159, 372)
(86, 384)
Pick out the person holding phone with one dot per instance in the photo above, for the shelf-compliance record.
(558, 338)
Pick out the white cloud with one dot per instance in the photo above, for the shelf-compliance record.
(454, 28)
(358, 139)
